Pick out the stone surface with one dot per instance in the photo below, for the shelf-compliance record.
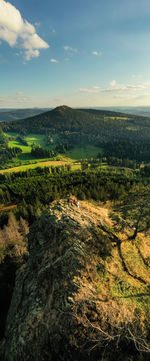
(41, 323)
(62, 309)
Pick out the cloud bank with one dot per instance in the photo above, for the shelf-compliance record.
(19, 32)
(115, 87)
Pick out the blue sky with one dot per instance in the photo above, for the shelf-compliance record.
(78, 53)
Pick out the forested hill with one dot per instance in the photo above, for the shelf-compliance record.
(117, 134)
(64, 118)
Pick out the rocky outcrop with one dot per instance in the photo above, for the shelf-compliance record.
(58, 311)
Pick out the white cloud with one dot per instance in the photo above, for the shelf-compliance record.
(70, 49)
(8, 35)
(10, 17)
(19, 32)
(114, 87)
(32, 41)
(97, 53)
(53, 60)
(86, 90)
(31, 53)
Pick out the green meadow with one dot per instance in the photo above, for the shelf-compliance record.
(87, 152)
(31, 139)
(39, 139)
(25, 160)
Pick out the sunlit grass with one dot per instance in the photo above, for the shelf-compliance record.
(47, 163)
(26, 160)
(38, 139)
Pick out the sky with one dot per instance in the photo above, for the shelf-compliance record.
(83, 53)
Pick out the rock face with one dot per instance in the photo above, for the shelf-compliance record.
(57, 312)
(41, 323)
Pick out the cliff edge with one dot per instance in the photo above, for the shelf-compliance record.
(68, 302)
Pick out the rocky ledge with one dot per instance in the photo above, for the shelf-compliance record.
(57, 311)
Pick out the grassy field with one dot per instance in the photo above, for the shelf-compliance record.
(25, 160)
(48, 163)
(83, 152)
(38, 139)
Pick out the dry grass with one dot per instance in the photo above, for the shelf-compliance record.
(99, 214)
(144, 244)
(118, 294)
(135, 262)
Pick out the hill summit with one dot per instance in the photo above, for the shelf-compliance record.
(62, 108)
(73, 299)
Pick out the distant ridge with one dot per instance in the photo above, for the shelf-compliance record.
(7, 115)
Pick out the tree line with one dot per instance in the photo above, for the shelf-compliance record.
(35, 189)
